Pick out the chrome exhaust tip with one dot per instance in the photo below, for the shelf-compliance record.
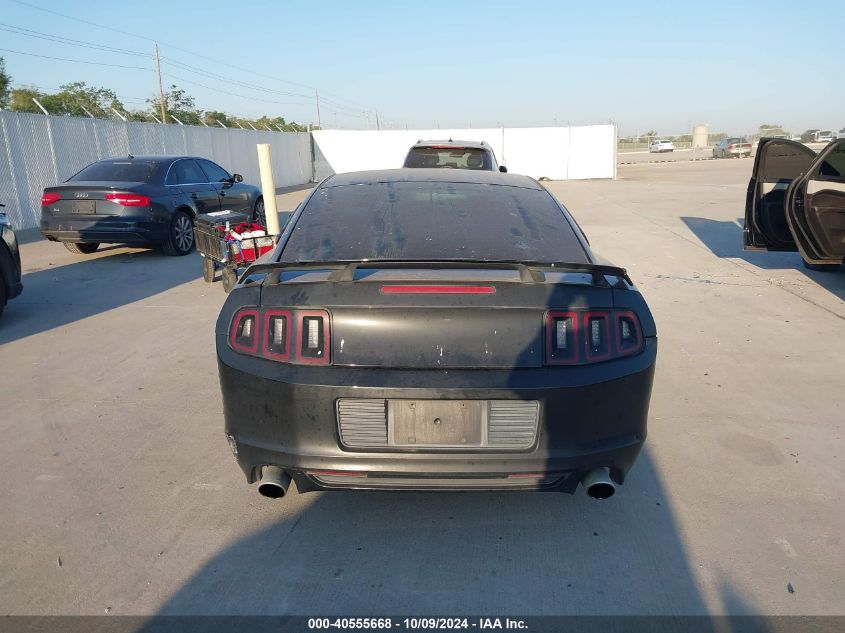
(274, 482)
(598, 484)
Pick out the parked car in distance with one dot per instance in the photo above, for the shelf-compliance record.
(823, 136)
(732, 148)
(453, 155)
(142, 201)
(796, 202)
(10, 262)
(841, 133)
(401, 337)
(657, 146)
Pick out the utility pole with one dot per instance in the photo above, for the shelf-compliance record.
(317, 95)
(378, 126)
(160, 88)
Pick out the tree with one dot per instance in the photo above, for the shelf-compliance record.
(212, 117)
(178, 103)
(21, 100)
(5, 84)
(770, 129)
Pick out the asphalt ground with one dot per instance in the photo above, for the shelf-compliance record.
(119, 493)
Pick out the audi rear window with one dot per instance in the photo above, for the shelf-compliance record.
(418, 221)
(118, 171)
(449, 157)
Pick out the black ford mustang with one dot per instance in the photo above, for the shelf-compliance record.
(142, 200)
(430, 329)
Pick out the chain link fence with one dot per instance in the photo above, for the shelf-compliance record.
(37, 151)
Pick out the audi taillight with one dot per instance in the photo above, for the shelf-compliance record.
(129, 199)
(49, 198)
(287, 336)
(579, 337)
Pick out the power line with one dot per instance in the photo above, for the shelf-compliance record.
(75, 61)
(216, 61)
(19, 30)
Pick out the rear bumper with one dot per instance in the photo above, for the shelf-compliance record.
(115, 230)
(590, 417)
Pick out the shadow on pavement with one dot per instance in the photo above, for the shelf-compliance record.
(724, 239)
(59, 295)
(366, 553)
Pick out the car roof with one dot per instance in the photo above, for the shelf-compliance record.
(451, 143)
(150, 158)
(468, 176)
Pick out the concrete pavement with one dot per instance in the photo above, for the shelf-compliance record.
(120, 495)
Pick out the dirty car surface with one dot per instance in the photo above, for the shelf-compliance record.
(429, 329)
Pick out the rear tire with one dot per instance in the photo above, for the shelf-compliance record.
(81, 249)
(208, 269)
(230, 278)
(259, 214)
(822, 268)
(180, 237)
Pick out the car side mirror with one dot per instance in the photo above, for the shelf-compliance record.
(237, 178)
(503, 169)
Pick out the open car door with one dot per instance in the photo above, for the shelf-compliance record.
(778, 163)
(815, 208)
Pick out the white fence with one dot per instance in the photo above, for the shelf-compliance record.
(37, 151)
(557, 153)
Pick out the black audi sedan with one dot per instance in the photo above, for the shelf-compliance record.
(10, 262)
(425, 329)
(142, 201)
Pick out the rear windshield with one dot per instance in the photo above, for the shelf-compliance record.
(416, 221)
(452, 157)
(119, 171)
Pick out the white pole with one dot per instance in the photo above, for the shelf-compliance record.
(203, 122)
(118, 114)
(43, 109)
(85, 110)
(175, 119)
(251, 125)
(220, 124)
(268, 187)
(278, 128)
(156, 118)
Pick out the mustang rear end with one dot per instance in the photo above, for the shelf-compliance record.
(430, 373)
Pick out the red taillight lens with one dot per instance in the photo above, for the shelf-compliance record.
(295, 336)
(129, 199)
(277, 326)
(574, 338)
(730, 146)
(49, 198)
(313, 339)
(243, 336)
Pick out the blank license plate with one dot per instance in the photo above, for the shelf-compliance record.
(84, 206)
(449, 423)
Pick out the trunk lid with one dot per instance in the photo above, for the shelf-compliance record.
(440, 319)
(88, 197)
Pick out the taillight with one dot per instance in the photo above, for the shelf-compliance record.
(129, 199)
(730, 146)
(49, 198)
(575, 338)
(295, 336)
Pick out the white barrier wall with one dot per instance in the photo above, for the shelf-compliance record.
(37, 151)
(557, 153)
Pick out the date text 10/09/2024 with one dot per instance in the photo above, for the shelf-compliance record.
(416, 623)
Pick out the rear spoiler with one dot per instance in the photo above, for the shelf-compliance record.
(529, 272)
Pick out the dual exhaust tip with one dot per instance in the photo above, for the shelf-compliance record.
(275, 481)
(598, 484)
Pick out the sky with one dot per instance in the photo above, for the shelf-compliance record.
(662, 66)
